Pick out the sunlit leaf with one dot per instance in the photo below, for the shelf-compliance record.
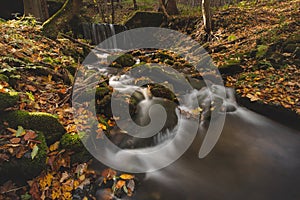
(20, 131)
(127, 176)
(34, 151)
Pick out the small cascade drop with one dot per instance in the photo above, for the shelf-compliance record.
(98, 32)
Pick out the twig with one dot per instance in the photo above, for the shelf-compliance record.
(13, 190)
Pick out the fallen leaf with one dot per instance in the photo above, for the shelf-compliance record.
(30, 135)
(54, 146)
(120, 184)
(15, 140)
(126, 176)
(34, 151)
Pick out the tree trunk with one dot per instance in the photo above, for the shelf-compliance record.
(171, 7)
(62, 18)
(135, 7)
(37, 8)
(206, 16)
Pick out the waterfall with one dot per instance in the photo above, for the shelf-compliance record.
(98, 32)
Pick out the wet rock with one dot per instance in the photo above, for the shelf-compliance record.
(161, 91)
(39, 121)
(125, 60)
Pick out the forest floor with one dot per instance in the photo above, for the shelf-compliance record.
(256, 47)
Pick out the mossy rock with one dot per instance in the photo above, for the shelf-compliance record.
(8, 99)
(71, 141)
(230, 69)
(74, 143)
(39, 121)
(162, 92)
(145, 19)
(26, 167)
(125, 60)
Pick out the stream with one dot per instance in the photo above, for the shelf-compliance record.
(254, 157)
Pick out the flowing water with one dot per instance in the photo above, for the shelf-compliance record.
(254, 158)
(98, 32)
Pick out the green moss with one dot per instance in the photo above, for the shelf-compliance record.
(125, 60)
(8, 100)
(71, 141)
(44, 122)
(26, 167)
(74, 143)
(4, 78)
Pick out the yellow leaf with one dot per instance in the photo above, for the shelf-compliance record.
(127, 176)
(102, 126)
(67, 195)
(54, 146)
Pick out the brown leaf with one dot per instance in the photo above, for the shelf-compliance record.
(108, 173)
(34, 191)
(15, 140)
(30, 135)
(31, 88)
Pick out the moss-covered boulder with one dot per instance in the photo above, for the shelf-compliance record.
(145, 19)
(25, 167)
(125, 60)
(44, 122)
(8, 99)
(74, 143)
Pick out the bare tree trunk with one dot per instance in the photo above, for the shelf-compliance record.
(171, 7)
(135, 7)
(37, 8)
(206, 16)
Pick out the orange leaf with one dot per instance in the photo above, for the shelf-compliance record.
(126, 176)
(31, 88)
(120, 184)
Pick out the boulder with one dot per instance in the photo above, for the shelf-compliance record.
(25, 167)
(39, 121)
(74, 143)
(8, 99)
(145, 19)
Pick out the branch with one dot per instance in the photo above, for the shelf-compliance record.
(56, 14)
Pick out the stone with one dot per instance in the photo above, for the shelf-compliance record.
(8, 100)
(25, 167)
(145, 19)
(38, 121)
